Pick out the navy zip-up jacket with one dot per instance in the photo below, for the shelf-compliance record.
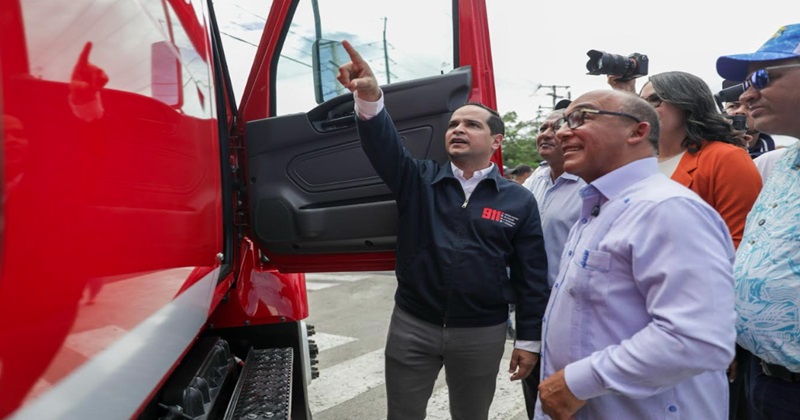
(452, 253)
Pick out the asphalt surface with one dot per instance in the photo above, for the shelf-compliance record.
(350, 312)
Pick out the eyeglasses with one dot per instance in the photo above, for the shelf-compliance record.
(576, 118)
(759, 79)
(654, 100)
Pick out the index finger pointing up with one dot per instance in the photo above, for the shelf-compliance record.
(83, 59)
(355, 57)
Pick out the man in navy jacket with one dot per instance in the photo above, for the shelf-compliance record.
(460, 226)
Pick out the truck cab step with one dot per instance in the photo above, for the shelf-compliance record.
(264, 389)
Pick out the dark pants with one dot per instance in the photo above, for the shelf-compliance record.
(530, 389)
(737, 401)
(415, 353)
(771, 398)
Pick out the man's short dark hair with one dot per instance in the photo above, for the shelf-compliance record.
(495, 122)
(562, 104)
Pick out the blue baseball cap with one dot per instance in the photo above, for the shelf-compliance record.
(784, 44)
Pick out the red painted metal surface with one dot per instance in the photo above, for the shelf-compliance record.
(475, 50)
(255, 103)
(111, 196)
(111, 189)
(262, 296)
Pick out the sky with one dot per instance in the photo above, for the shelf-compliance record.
(545, 42)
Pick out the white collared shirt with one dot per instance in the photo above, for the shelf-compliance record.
(469, 184)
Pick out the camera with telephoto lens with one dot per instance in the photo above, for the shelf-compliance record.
(738, 122)
(627, 68)
(729, 94)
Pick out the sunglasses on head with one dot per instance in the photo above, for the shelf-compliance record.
(759, 79)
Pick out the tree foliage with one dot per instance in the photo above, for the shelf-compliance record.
(519, 143)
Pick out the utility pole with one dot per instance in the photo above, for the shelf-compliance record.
(317, 20)
(386, 53)
(555, 95)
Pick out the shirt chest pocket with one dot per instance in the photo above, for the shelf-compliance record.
(593, 273)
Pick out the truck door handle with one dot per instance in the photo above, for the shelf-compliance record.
(338, 123)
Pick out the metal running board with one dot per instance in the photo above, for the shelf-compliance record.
(264, 389)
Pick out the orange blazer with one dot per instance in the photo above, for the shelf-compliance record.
(725, 177)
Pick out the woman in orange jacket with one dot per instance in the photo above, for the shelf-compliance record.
(698, 148)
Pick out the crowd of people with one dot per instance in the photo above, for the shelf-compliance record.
(652, 259)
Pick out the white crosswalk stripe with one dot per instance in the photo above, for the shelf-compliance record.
(319, 281)
(345, 381)
(329, 341)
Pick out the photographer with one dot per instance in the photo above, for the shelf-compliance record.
(758, 143)
(698, 147)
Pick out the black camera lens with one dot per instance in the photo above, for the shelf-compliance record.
(731, 94)
(627, 68)
(739, 122)
(604, 63)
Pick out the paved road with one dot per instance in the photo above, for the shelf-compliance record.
(351, 314)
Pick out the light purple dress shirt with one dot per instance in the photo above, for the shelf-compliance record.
(642, 314)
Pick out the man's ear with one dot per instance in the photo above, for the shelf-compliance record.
(640, 133)
(496, 140)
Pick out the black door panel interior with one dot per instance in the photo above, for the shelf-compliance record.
(312, 189)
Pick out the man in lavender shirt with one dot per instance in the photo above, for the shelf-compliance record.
(640, 322)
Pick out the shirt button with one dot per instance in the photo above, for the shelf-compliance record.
(774, 205)
(761, 222)
(672, 409)
(555, 285)
(584, 221)
(569, 253)
(752, 242)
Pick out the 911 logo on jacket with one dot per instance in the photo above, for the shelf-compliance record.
(499, 216)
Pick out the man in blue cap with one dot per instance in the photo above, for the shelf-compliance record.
(767, 268)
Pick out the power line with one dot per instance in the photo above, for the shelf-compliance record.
(251, 12)
(250, 43)
(238, 39)
(296, 61)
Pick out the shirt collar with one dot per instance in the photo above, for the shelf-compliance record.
(615, 182)
(565, 175)
(479, 175)
(569, 176)
(449, 171)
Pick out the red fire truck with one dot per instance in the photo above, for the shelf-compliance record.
(156, 219)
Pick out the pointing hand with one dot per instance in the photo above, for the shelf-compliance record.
(357, 76)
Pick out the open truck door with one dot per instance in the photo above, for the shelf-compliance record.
(148, 227)
(313, 202)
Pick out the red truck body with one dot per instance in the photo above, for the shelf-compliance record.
(129, 228)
